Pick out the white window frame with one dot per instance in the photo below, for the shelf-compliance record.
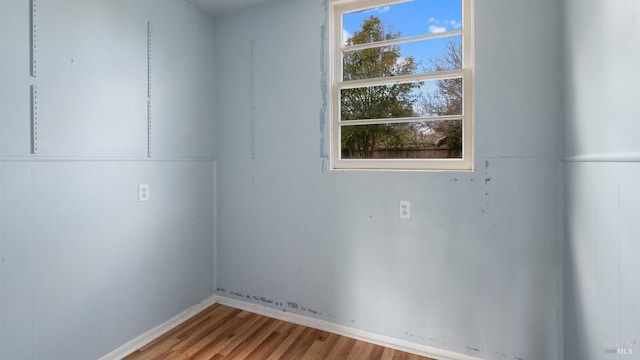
(337, 48)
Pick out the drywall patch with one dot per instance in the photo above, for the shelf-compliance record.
(324, 166)
(324, 87)
(149, 108)
(33, 35)
(34, 119)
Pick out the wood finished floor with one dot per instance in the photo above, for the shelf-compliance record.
(221, 332)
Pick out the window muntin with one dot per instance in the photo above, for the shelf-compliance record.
(402, 99)
(438, 48)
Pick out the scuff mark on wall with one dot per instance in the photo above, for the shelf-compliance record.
(263, 299)
(487, 201)
(487, 178)
(310, 310)
(292, 305)
(266, 300)
(295, 306)
(254, 192)
(406, 333)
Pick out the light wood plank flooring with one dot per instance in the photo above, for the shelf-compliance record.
(221, 332)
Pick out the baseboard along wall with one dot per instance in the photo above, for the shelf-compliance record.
(386, 341)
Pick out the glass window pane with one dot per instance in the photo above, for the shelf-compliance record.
(418, 17)
(404, 59)
(420, 140)
(416, 99)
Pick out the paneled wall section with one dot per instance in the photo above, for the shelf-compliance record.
(85, 266)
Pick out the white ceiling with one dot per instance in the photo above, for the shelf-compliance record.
(217, 7)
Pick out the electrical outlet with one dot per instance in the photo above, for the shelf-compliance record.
(143, 192)
(405, 209)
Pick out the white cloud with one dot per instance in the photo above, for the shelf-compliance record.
(440, 25)
(456, 24)
(381, 10)
(437, 29)
(345, 36)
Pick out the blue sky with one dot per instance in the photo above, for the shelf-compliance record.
(415, 17)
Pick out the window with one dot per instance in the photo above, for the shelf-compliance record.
(401, 84)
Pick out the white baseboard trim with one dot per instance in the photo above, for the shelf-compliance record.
(382, 340)
(157, 331)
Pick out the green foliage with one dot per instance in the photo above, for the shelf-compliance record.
(399, 100)
(375, 102)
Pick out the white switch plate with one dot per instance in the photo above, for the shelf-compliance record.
(405, 209)
(143, 192)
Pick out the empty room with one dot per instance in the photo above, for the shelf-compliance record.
(319, 179)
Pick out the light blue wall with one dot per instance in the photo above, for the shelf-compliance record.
(478, 268)
(602, 80)
(85, 266)
(602, 228)
(80, 255)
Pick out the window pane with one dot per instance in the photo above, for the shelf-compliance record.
(404, 59)
(421, 140)
(418, 17)
(416, 99)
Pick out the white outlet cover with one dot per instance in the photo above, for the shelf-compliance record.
(143, 192)
(405, 209)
